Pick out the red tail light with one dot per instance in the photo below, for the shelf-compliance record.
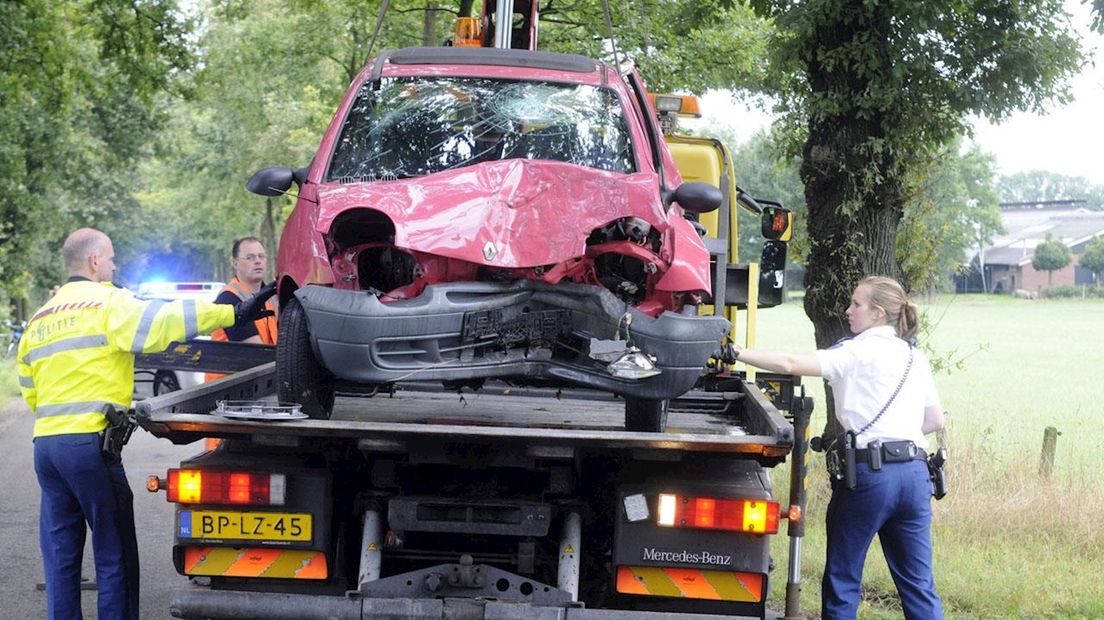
(755, 516)
(191, 486)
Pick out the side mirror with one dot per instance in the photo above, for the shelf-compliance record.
(697, 197)
(275, 181)
(777, 222)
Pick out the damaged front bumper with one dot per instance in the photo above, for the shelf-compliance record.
(518, 330)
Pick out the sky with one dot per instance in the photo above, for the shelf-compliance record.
(1067, 140)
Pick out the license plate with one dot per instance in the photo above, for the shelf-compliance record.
(513, 329)
(280, 526)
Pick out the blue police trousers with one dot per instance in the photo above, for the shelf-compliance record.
(895, 504)
(80, 485)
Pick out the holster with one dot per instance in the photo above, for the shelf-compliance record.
(936, 462)
(120, 426)
(841, 462)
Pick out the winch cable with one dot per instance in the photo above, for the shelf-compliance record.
(613, 40)
(384, 5)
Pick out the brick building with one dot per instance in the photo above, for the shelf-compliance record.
(1006, 263)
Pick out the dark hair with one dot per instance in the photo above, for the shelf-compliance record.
(888, 294)
(238, 242)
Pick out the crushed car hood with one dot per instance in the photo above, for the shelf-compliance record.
(512, 213)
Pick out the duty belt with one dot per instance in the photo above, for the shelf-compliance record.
(875, 454)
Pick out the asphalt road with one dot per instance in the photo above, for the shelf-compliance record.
(20, 559)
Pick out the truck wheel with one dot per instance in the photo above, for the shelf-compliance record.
(300, 378)
(645, 415)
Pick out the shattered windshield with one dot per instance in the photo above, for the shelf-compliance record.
(411, 127)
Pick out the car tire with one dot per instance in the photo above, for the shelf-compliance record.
(300, 377)
(165, 381)
(645, 415)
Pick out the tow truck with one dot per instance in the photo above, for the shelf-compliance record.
(508, 501)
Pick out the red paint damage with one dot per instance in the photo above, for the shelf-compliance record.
(513, 219)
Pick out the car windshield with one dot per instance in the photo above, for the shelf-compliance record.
(409, 127)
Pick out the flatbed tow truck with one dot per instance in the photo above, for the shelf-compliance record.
(502, 503)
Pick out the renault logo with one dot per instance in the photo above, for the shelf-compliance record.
(489, 251)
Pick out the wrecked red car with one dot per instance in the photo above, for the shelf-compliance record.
(476, 214)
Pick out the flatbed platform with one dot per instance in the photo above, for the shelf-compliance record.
(724, 422)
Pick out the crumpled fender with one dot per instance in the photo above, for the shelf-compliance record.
(689, 269)
(512, 213)
(302, 253)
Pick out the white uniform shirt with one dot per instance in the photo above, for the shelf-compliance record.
(864, 371)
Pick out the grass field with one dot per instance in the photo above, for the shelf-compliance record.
(1008, 542)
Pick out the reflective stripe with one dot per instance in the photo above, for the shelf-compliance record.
(144, 325)
(191, 324)
(235, 287)
(255, 562)
(66, 344)
(26, 382)
(692, 583)
(92, 406)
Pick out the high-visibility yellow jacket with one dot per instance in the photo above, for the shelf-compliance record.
(77, 353)
(266, 327)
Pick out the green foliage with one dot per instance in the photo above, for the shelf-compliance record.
(677, 45)
(1040, 185)
(78, 80)
(1074, 292)
(1093, 258)
(951, 209)
(762, 170)
(1050, 256)
(9, 380)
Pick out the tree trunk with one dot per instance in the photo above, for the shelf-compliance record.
(429, 25)
(851, 223)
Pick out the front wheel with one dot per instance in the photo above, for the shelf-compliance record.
(300, 377)
(645, 415)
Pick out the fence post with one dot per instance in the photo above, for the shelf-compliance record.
(1050, 442)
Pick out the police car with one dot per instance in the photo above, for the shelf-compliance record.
(149, 382)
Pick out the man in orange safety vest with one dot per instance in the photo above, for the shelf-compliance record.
(250, 263)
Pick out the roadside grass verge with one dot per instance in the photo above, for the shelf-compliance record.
(9, 381)
(1009, 543)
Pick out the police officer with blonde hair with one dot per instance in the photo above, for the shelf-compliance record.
(76, 364)
(886, 402)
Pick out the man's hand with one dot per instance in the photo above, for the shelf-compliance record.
(253, 309)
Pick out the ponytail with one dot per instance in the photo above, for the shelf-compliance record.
(889, 295)
(909, 321)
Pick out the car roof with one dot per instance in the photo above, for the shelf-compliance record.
(491, 56)
(474, 60)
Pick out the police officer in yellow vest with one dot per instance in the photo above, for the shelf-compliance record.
(77, 357)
